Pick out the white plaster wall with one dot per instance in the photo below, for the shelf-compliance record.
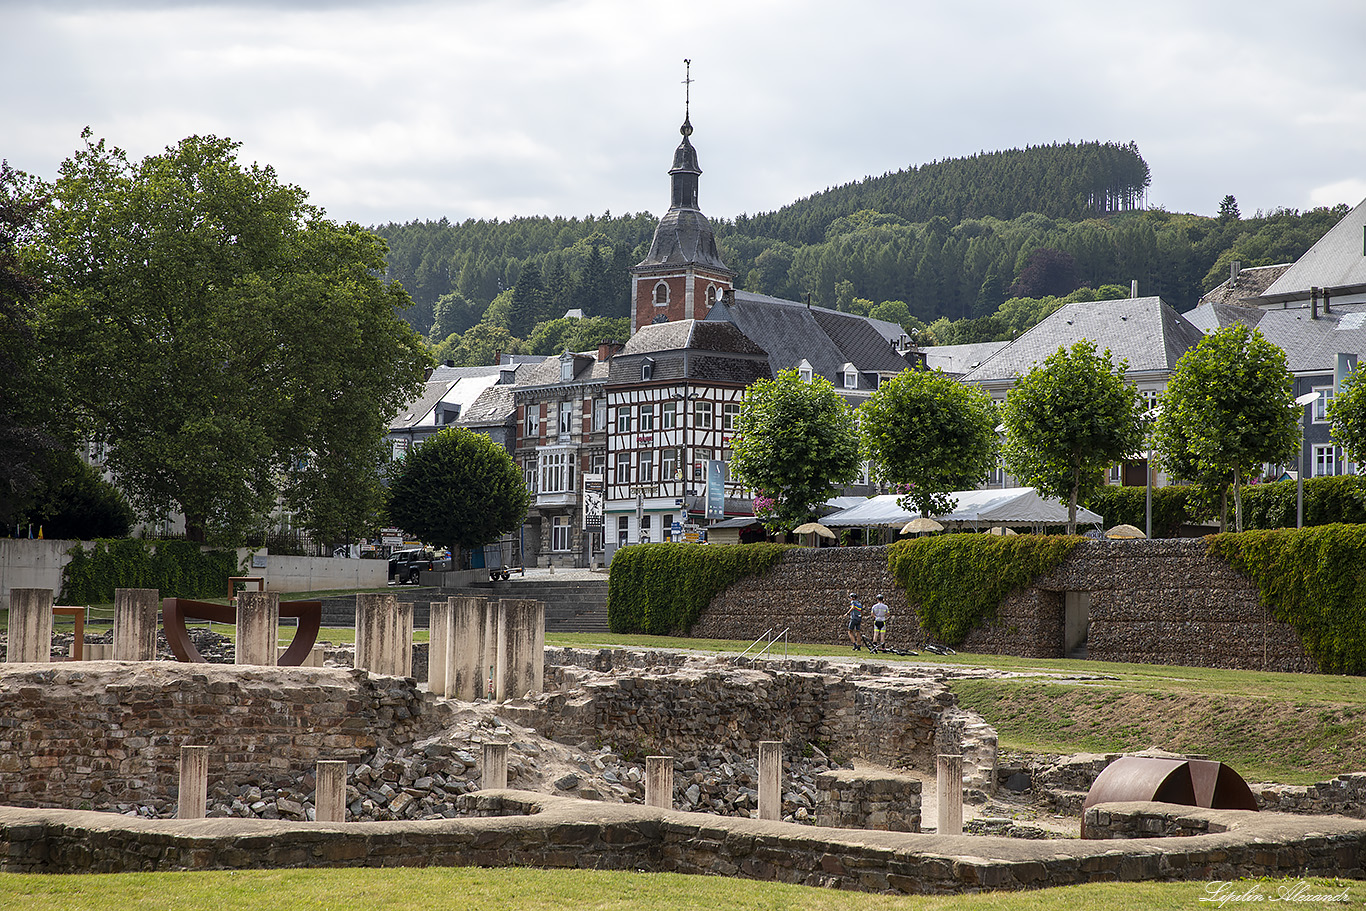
(32, 563)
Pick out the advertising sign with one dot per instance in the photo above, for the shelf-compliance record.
(716, 489)
(593, 502)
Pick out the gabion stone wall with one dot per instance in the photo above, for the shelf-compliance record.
(1153, 602)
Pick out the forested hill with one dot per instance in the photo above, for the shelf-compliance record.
(1062, 180)
(953, 239)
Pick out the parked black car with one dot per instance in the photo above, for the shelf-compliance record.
(406, 565)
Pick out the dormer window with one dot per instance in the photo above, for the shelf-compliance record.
(661, 293)
(566, 367)
(804, 371)
(647, 369)
(850, 376)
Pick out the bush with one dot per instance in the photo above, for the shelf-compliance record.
(75, 501)
(661, 589)
(1326, 501)
(1173, 507)
(956, 581)
(177, 569)
(1310, 578)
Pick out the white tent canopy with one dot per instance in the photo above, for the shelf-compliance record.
(1008, 506)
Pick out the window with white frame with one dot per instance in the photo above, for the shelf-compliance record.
(668, 466)
(730, 416)
(668, 415)
(700, 459)
(850, 377)
(623, 419)
(661, 293)
(623, 474)
(647, 418)
(666, 526)
(1149, 398)
(1321, 403)
(598, 463)
(647, 369)
(646, 473)
(702, 416)
(566, 420)
(533, 421)
(599, 414)
(623, 530)
(559, 534)
(1325, 461)
(529, 474)
(804, 371)
(566, 367)
(645, 527)
(557, 472)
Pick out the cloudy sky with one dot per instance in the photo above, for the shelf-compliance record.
(498, 108)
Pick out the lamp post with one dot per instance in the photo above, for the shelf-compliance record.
(1148, 470)
(1304, 401)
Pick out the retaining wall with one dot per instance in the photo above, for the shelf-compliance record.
(1156, 602)
(523, 829)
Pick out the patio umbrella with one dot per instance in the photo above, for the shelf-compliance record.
(1124, 532)
(814, 528)
(1002, 530)
(921, 524)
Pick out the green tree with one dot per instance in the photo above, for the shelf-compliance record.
(479, 347)
(528, 304)
(928, 432)
(454, 314)
(1347, 411)
(1069, 418)
(796, 440)
(216, 329)
(75, 501)
(458, 489)
(556, 335)
(1227, 409)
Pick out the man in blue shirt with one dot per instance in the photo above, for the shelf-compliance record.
(855, 617)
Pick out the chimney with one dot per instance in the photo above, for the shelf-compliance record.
(1133, 288)
(1233, 269)
(1314, 298)
(607, 350)
(1327, 308)
(427, 374)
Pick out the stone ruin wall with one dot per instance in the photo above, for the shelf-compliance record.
(1154, 602)
(91, 735)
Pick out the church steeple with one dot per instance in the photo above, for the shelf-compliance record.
(683, 274)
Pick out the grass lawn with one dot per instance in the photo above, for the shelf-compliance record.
(439, 889)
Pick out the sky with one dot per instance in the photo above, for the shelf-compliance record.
(396, 111)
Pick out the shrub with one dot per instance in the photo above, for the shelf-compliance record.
(177, 569)
(957, 581)
(662, 589)
(1326, 501)
(1310, 578)
(1173, 507)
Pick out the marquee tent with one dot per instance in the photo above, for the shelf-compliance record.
(974, 509)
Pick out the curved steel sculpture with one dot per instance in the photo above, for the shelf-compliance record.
(1192, 782)
(175, 611)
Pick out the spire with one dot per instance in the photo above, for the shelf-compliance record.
(685, 171)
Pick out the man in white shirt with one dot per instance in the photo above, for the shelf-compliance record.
(880, 612)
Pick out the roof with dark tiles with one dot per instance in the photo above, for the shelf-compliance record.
(1248, 283)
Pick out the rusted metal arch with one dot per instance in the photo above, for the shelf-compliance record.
(175, 611)
(1191, 782)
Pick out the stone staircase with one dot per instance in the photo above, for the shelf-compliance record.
(571, 606)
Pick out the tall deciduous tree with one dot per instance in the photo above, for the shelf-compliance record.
(796, 441)
(930, 432)
(1227, 409)
(229, 343)
(1347, 411)
(1069, 418)
(458, 489)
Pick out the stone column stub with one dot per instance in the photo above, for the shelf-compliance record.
(30, 626)
(135, 623)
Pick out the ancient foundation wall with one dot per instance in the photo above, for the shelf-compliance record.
(96, 734)
(1155, 602)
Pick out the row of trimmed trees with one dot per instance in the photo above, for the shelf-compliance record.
(1227, 410)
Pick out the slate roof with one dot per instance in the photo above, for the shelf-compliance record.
(1247, 284)
(1144, 331)
(587, 369)
(1337, 261)
(791, 332)
(694, 334)
(684, 236)
(493, 406)
(1312, 345)
(439, 387)
(1216, 316)
(960, 360)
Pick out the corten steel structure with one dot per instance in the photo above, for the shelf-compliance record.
(1192, 782)
(175, 611)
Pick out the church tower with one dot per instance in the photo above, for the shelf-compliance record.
(683, 276)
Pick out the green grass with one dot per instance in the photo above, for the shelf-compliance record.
(440, 889)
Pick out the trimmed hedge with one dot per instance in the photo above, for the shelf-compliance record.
(1326, 501)
(957, 581)
(1172, 508)
(661, 589)
(1315, 580)
(177, 569)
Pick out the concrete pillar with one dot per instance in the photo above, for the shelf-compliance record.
(770, 779)
(521, 649)
(494, 773)
(950, 794)
(488, 671)
(258, 628)
(329, 800)
(439, 637)
(192, 802)
(30, 625)
(659, 782)
(384, 635)
(135, 623)
(466, 672)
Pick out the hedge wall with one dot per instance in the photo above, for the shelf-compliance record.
(661, 589)
(1172, 508)
(1315, 580)
(177, 569)
(957, 581)
(1326, 501)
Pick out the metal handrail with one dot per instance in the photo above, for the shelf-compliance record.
(769, 638)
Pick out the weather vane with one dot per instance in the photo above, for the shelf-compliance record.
(687, 85)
